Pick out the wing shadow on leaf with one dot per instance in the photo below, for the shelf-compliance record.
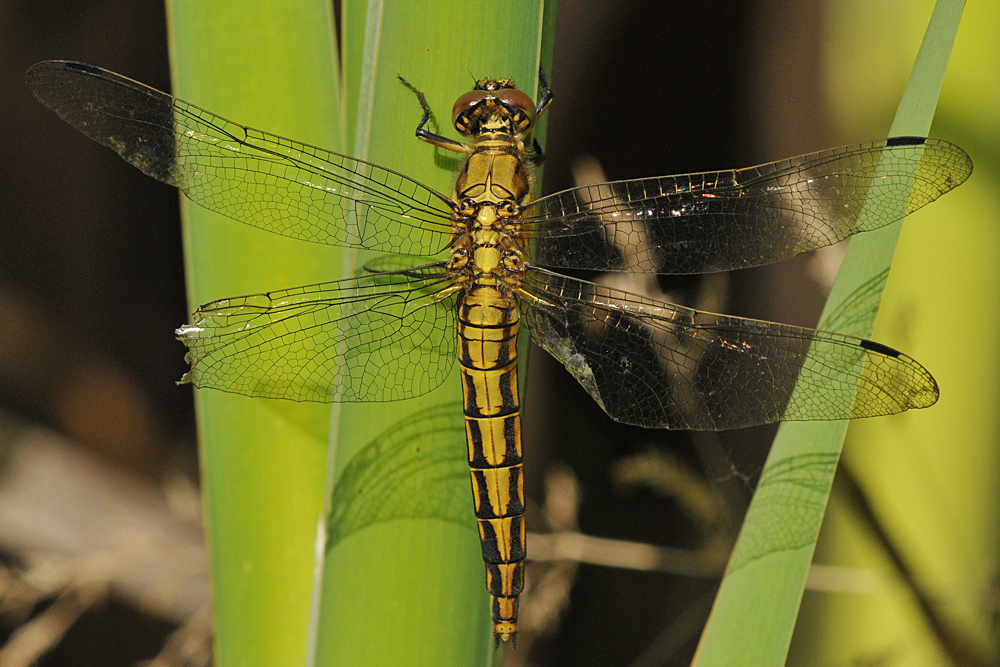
(415, 469)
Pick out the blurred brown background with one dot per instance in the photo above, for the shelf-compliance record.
(91, 288)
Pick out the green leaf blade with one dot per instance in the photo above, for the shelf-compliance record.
(262, 461)
(758, 602)
(408, 587)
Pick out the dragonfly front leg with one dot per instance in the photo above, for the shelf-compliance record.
(546, 98)
(543, 103)
(427, 135)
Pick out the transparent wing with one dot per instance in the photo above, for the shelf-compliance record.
(699, 223)
(379, 337)
(659, 365)
(266, 181)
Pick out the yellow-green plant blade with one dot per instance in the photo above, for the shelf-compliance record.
(406, 586)
(928, 477)
(269, 64)
(755, 611)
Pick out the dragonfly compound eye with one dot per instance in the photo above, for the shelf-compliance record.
(463, 111)
(521, 107)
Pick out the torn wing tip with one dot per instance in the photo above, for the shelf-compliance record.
(188, 332)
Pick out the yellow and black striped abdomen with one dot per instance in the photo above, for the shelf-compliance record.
(487, 328)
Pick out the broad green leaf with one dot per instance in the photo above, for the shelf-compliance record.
(384, 588)
(270, 65)
(409, 587)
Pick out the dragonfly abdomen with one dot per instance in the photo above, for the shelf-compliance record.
(487, 328)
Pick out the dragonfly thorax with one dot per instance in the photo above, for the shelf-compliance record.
(496, 175)
(485, 250)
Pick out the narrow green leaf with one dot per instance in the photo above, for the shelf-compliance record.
(928, 478)
(755, 611)
(271, 66)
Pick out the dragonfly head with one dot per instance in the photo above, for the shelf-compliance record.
(496, 103)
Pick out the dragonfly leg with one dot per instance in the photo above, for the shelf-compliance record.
(427, 135)
(546, 98)
(539, 155)
(543, 103)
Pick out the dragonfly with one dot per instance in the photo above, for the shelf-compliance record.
(496, 261)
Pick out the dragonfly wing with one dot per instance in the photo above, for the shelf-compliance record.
(263, 180)
(378, 337)
(660, 365)
(699, 223)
